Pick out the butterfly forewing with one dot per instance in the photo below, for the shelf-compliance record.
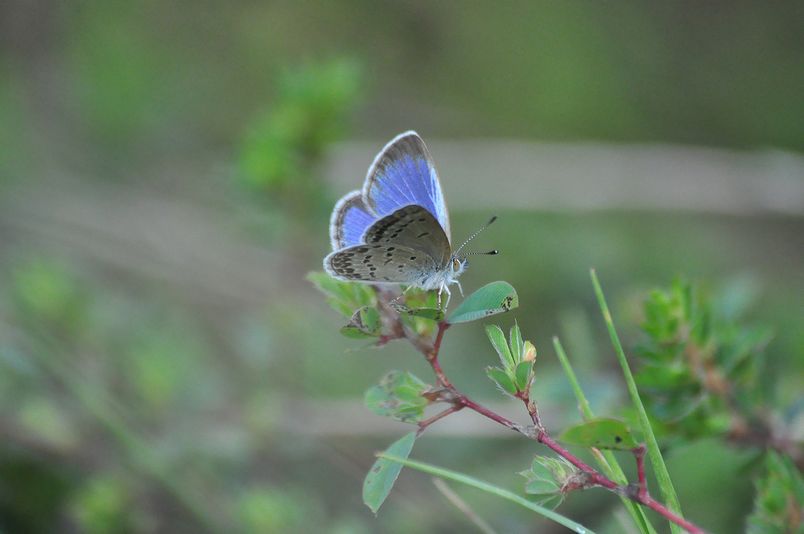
(403, 173)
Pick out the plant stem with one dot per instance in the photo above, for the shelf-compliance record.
(538, 433)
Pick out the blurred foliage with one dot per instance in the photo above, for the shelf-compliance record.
(779, 505)
(700, 367)
(287, 142)
(138, 395)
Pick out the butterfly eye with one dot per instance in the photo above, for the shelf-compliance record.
(456, 264)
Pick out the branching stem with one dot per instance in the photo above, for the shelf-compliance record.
(637, 493)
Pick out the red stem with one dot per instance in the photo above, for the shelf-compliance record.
(639, 454)
(440, 415)
(459, 401)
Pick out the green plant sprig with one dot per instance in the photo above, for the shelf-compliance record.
(446, 392)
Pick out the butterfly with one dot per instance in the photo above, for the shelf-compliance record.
(396, 229)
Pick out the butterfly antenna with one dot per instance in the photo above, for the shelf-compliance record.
(475, 235)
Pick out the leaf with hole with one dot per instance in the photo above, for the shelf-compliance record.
(491, 299)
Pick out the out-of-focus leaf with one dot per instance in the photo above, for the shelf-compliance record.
(344, 297)
(383, 474)
(602, 433)
(491, 299)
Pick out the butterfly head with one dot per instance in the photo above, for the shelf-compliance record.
(458, 265)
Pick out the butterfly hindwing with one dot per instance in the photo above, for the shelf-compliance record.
(415, 228)
(379, 263)
(349, 221)
(403, 173)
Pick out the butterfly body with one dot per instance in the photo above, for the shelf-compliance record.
(396, 229)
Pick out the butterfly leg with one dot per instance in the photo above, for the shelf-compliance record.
(444, 288)
(460, 288)
(399, 297)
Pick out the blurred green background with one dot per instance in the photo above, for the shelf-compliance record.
(166, 175)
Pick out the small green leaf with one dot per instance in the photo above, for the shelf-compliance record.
(515, 337)
(522, 375)
(546, 479)
(365, 323)
(383, 474)
(353, 332)
(497, 339)
(602, 433)
(491, 299)
(541, 486)
(344, 297)
(398, 395)
(501, 378)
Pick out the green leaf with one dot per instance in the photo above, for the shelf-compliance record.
(501, 378)
(491, 299)
(383, 474)
(491, 489)
(602, 433)
(522, 375)
(497, 338)
(517, 345)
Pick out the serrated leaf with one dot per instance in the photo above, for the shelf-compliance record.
(497, 338)
(383, 474)
(522, 375)
(491, 299)
(501, 378)
(602, 433)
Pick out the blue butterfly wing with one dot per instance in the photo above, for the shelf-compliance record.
(350, 220)
(403, 174)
